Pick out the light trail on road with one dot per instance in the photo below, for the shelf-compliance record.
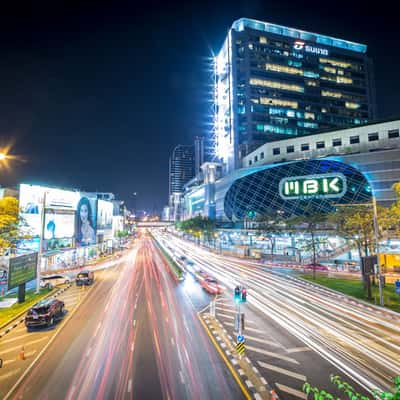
(357, 340)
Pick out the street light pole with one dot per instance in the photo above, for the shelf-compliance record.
(376, 233)
(40, 255)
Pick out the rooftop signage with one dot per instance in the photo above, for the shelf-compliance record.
(300, 45)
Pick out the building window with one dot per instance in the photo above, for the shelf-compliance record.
(337, 142)
(255, 158)
(276, 151)
(354, 139)
(262, 155)
(320, 145)
(305, 147)
(373, 136)
(290, 149)
(394, 133)
(250, 162)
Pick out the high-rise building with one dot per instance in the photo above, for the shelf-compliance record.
(181, 170)
(273, 82)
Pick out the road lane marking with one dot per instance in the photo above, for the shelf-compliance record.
(132, 346)
(298, 349)
(231, 369)
(14, 339)
(134, 322)
(270, 354)
(249, 384)
(9, 374)
(282, 371)
(291, 391)
(97, 329)
(267, 342)
(129, 385)
(181, 376)
(24, 344)
(232, 317)
(247, 328)
(172, 341)
(233, 311)
(89, 350)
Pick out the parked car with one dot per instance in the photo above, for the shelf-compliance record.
(84, 278)
(44, 313)
(316, 266)
(49, 281)
(211, 285)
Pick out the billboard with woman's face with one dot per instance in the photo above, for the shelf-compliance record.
(86, 216)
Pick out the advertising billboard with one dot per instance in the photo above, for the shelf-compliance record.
(104, 215)
(31, 199)
(59, 226)
(86, 220)
(22, 269)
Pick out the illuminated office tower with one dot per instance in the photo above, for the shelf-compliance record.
(274, 82)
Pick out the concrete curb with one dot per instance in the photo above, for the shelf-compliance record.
(21, 320)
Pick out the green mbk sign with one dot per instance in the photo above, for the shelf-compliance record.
(322, 186)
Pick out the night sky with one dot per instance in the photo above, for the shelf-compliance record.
(96, 96)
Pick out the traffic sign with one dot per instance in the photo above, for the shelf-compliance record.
(398, 283)
(240, 339)
(240, 348)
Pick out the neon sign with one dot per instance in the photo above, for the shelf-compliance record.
(300, 45)
(313, 186)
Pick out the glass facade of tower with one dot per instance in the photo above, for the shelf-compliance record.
(274, 82)
(182, 167)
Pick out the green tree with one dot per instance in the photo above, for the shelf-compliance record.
(198, 226)
(309, 224)
(9, 223)
(270, 226)
(349, 391)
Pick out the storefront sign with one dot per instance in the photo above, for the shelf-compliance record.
(313, 186)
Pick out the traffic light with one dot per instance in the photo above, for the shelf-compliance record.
(237, 294)
(244, 294)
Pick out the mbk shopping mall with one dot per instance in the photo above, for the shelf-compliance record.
(291, 128)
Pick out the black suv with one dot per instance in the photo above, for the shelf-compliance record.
(46, 312)
(84, 278)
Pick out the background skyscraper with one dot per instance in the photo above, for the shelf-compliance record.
(274, 82)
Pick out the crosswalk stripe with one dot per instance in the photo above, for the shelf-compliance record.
(282, 371)
(291, 391)
(270, 354)
(225, 309)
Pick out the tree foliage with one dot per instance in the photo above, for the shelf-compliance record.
(349, 391)
(270, 226)
(198, 226)
(9, 223)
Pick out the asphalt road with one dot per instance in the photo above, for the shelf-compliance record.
(136, 335)
(297, 332)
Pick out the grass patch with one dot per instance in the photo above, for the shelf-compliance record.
(7, 314)
(354, 287)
